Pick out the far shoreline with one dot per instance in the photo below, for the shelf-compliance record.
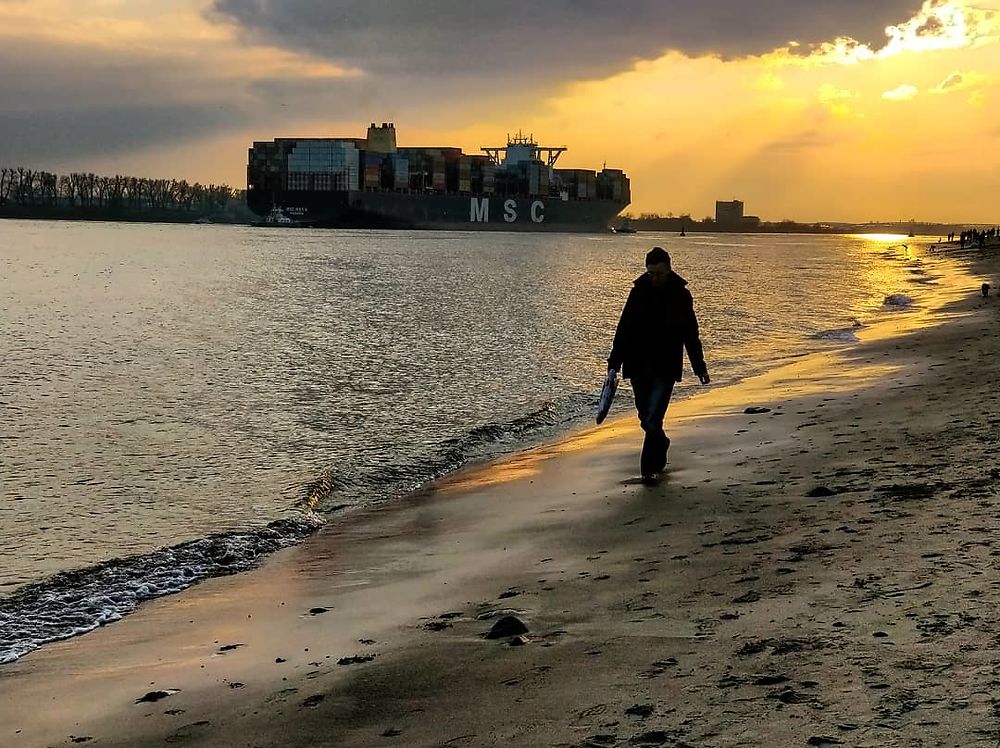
(641, 226)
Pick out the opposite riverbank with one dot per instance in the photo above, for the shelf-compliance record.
(820, 572)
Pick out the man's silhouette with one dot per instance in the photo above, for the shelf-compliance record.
(657, 323)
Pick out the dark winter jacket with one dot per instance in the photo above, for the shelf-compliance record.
(656, 324)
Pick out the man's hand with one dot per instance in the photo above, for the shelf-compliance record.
(705, 379)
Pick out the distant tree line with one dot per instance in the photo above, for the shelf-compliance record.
(29, 188)
(670, 222)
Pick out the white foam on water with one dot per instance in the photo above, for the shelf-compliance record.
(75, 602)
(843, 335)
(897, 301)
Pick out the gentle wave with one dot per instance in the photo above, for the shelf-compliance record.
(74, 602)
(342, 487)
(897, 301)
(843, 334)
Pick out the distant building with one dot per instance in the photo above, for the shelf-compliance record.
(382, 139)
(729, 213)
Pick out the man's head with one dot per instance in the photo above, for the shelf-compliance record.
(658, 266)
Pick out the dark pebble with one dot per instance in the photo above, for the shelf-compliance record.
(506, 627)
(152, 696)
(355, 660)
(640, 710)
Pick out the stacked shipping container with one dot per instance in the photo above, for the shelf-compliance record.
(343, 164)
(612, 184)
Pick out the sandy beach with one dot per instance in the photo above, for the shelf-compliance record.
(821, 573)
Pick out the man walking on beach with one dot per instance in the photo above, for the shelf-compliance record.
(657, 323)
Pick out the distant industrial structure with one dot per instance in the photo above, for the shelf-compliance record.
(729, 215)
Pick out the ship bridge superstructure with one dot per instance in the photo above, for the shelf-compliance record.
(520, 149)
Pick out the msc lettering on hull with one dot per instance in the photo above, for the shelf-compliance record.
(479, 210)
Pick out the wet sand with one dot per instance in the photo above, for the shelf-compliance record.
(822, 573)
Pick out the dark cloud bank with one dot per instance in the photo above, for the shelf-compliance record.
(461, 38)
(67, 102)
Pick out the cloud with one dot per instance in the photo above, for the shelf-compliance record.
(520, 42)
(961, 81)
(904, 92)
(802, 141)
(769, 82)
(67, 101)
(50, 138)
(836, 99)
(953, 82)
(829, 94)
(939, 24)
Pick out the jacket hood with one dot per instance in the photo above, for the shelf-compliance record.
(673, 282)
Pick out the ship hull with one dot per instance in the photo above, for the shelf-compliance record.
(461, 212)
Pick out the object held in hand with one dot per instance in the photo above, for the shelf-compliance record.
(607, 395)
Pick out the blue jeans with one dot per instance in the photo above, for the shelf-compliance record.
(652, 396)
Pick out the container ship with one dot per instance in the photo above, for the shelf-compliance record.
(371, 183)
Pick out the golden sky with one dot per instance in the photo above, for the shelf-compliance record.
(812, 125)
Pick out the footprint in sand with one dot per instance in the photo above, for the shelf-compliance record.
(652, 738)
(658, 668)
(187, 732)
(436, 626)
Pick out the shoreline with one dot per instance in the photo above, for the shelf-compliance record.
(412, 553)
(183, 217)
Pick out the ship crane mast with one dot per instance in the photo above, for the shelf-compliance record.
(524, 143)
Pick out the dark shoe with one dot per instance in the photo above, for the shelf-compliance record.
(649, 480)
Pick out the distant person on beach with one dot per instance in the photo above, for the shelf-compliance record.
(656, 325)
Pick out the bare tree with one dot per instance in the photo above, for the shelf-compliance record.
(28, 187)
